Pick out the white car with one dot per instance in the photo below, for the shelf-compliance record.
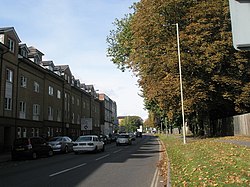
(123, 139)
(88, 143)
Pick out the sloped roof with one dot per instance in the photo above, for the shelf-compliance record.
(34, 51)
(48, 63)
(23, 45)
(9, 29)
(62, 67)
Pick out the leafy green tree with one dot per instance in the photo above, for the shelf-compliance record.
(131, 123)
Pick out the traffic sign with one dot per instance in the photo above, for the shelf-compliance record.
(240, 14)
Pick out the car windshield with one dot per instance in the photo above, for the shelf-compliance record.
(56, 139)
(123, 136)
(84, 139)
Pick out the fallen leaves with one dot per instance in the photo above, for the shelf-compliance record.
(206, 162)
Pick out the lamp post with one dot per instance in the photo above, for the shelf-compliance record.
(182, 106)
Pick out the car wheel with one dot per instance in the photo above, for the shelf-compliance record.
(50, 153)
(34, 155)
(66, 149)
(103, 148)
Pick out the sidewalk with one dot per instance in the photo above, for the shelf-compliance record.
(237, 142)
(4, 157)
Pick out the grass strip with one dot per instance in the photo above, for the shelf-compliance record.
(207, 162)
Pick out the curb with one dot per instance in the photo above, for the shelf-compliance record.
(168, 182)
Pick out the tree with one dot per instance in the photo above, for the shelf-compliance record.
(131, 123)
(215, 76)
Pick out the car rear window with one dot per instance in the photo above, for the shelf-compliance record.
(21, 141)
(124, 136)
(56, 139)
(83, 139)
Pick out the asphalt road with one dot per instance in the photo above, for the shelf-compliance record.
(118, 166)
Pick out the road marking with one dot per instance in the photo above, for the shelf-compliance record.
(102, 157)
(155, 179)
(66, 170)
(117, 151)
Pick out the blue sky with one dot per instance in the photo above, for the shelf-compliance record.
(74, 32)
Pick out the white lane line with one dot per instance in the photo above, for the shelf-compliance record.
(66, 170)
(155, 179)
(102, 157)
(117, 151)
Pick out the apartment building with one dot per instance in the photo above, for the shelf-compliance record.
(39, 98)
(109, 122)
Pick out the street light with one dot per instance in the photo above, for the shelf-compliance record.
(182, 106)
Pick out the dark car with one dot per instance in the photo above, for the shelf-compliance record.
(30, 148)
(61, 144)
(138, 134)
(105, 139)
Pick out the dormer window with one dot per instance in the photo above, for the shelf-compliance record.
(24, 53)
(36, 60)
(11, 45)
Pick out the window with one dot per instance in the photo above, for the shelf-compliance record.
(36, 87)
(58, 115)
(50, 113)
(78, 119)
(8, 104)
(58, 94)
(9, 75)
(24, 53)
(48, 131)
(22, 110)
(19, 132)
(68, 79)
(24, 132)
(32, 132)
(37, 132)
(73, 118)
(11, 45)
(51, 90)
(78, 102)
(51, 132)
(73, 100)
(23, 82)
(36, 109)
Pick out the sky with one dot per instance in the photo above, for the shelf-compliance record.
(74, 32)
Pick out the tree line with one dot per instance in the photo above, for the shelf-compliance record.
(216, 77)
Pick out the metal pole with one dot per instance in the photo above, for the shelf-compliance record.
(182, 106)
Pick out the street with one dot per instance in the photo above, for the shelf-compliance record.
(132, 165)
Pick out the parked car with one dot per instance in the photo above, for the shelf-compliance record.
(132, 136)
(123, 139)
(114, 137)
(88, 143)
(138, 134)
(30, 148)
(105, 139)
(61, 144)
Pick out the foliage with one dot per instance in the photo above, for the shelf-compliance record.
(207, 162)
(215, 76)
(131, 123)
